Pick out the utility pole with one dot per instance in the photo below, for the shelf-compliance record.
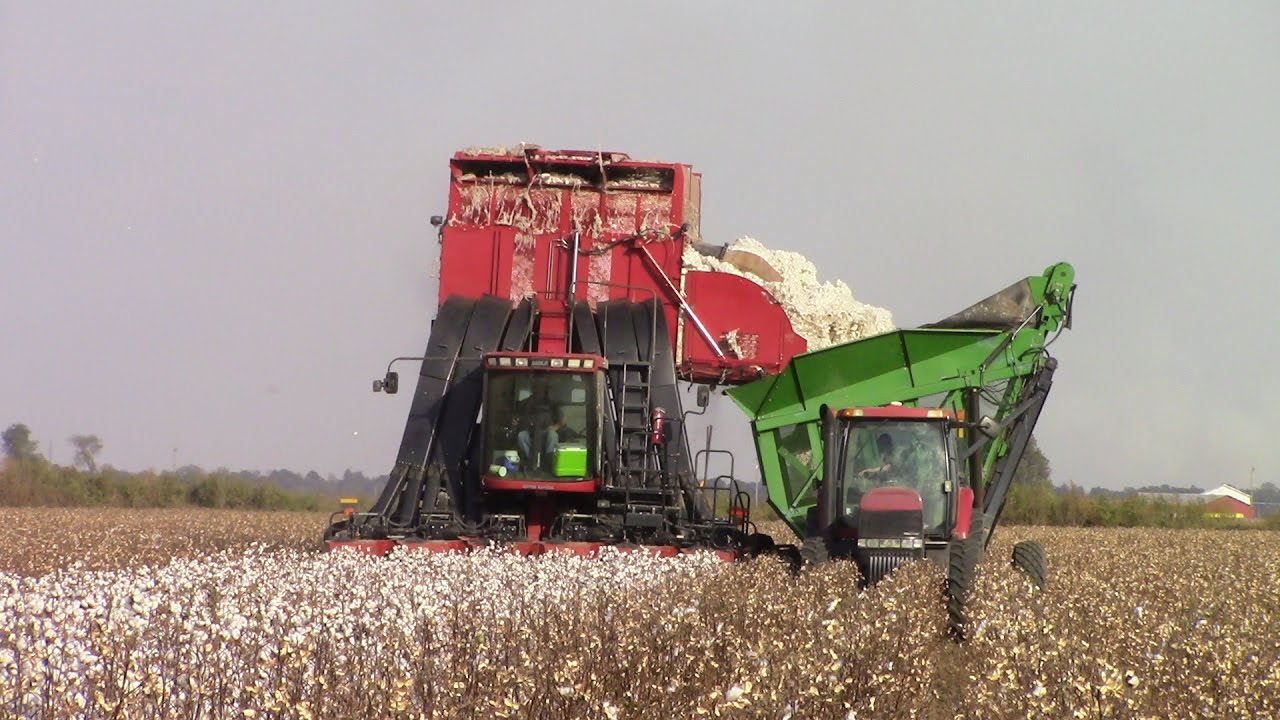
(173, 460)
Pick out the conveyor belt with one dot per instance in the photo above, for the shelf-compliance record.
(463, 400)
(450, 381)
(447, 334)
(586, 335)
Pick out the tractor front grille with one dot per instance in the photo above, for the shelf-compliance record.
(891, 523)
(875, 564)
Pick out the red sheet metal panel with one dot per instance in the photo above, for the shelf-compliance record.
(750, 326)
(964, 513)
(884, 499)
(512, 216)
(377, 548)
(581, 549)
(436, 546)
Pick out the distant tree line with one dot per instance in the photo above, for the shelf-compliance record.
(1035, 500)
(28, 478)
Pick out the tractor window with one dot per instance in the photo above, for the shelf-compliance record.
(541, 424)
(901, 453)
(795, 455)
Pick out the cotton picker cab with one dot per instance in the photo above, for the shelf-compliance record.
(904, 445)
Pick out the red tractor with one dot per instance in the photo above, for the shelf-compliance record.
(904, 445)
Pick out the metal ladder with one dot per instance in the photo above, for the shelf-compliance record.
(636, 462)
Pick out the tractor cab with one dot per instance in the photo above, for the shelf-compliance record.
(892, 490)
(542, 421)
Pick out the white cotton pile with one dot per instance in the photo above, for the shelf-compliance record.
(823, 313)
(229, 631)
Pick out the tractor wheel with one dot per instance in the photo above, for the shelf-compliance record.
(790, 557)
(758, 544)
(730, 539)
(1029, 559)
(333, 531)
(814, 550)
(962, 568)
(960, 572)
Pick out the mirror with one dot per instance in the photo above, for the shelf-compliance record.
(988, 427)
(389, 384)
(704, 396)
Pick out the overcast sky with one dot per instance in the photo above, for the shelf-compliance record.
(214, 218)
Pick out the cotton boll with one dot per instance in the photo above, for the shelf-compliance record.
(823, 313)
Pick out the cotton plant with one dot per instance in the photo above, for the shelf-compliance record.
(1133, 623)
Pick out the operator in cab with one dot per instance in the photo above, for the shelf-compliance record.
(541, 424)
(914, 463)
(909, 464)
(884, 445)
(540, 445)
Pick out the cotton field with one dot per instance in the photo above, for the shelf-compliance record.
(1135, 624)
(38, 540)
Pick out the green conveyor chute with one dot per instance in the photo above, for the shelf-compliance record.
(996, 346)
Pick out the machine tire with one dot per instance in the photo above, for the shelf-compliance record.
(1030, 560)
(789, 556)
(334, 530)
(731, 539)
(814, 550)
(962, 567)
(758, 544)
(960, 572)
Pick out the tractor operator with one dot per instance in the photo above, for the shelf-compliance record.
(540, 438)
(888, 461)
(916, 466)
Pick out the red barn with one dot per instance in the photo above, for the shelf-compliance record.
(1228, 502)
